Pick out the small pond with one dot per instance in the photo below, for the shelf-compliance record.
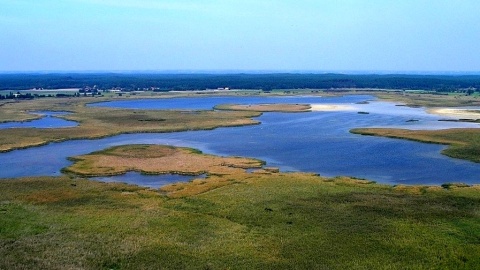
(49, 120)
(151, 181)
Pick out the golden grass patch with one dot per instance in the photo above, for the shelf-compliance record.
(157, 159)
(198, 186)
(50, 196)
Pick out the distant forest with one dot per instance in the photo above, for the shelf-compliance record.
(165, 82)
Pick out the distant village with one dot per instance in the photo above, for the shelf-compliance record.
(87, 91)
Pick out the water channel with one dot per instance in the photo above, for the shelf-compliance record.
(49, 119)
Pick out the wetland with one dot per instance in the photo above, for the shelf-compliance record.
(234, 210)
(318, 141)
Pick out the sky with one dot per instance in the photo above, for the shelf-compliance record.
(248, 35)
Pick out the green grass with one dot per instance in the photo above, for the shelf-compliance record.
(268, 221)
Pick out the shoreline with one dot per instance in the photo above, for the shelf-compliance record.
(331, 107)
(314, 107)
(459, 113)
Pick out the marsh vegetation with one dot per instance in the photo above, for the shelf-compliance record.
(255, 221)
(102, 122)
(157, 159)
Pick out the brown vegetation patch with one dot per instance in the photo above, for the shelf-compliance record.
(157, 159)
(198, 186)
(140, 151)
(350, 180)
(50, 196)
(416, 189)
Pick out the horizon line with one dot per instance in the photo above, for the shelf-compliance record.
(245, 71)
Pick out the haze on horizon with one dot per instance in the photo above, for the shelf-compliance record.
(342, 35)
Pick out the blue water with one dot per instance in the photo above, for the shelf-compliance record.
(317, 142)
(207, 103)
(49, 120)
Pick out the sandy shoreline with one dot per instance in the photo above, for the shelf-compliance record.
(456, 113)
(331, 107)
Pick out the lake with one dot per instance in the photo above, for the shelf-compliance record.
(316, 141)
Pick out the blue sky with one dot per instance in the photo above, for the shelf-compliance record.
(322, 35)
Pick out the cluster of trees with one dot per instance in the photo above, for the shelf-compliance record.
(19, 95)
(165, 82)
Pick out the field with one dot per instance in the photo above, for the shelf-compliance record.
(252, 221)
(234, 218)
(264, 221)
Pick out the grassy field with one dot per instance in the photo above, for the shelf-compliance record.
(10, 112)
(253, 221)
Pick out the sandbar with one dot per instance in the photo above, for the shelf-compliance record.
(331, 107)
(456, 113)
(265, 107)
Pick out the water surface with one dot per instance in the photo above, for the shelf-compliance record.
(151, 181)
(49, 120)
(317, 142)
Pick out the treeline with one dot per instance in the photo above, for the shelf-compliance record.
(19, 95)
(164, 82)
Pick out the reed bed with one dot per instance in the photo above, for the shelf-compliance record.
(157, 159)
